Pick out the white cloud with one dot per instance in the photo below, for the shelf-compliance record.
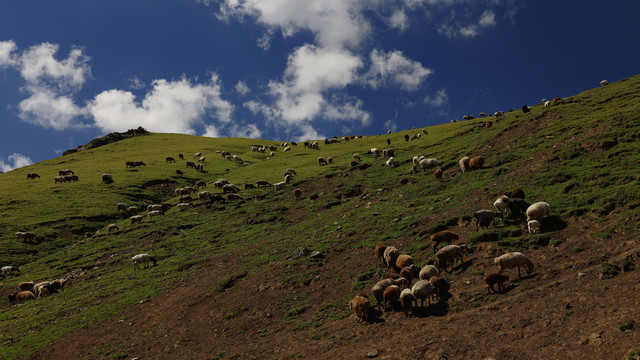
(49, 110)
(242, 88)
(211, 131)
(6, 53)
(15, 161)
(38, 66)
(136, 84)
(170, 106)
(398, 20)
(246, 131)
(394, 68)
(439, 99)
(335, 23)
(310, 73)
(488, 18)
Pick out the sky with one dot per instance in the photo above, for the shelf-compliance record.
(291, 70)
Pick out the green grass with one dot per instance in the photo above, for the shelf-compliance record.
(587, 147)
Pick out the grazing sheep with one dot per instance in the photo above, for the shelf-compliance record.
(476, 163)
(33, 176)
(197, 155)
(428, 163)
(280, 185)
(356, 156)
(450, 252)
(518, 206)
(322, 161)
(132, 209)
(388, 141)
(21, 297)
(406, 137)
(534, 226)
(112, 227)
(388, 153)
(361, 306)
(391, 163)
(403, 261)
(234, 196)
(183, 206)
(143, 259)
(169, 159)
(537, 211)
(604, 83)
(512, 260)
(495, 278)
(422, 290)
(428, 271)
(525, 109)
(26, 286)
(287, 148)
(179, 172)
(391, 295)
(200, 183)
(6, 270)
(486, 218)
(297, 194)
(236, 158)
(409, 272)
(154, 207)
(201, 159)
(374, 152)
(229, 188)
(390, 255)
(437, 283)
(502, 204)
(107, 178)
(262, 183)
(330, 159)
(442, 237)
(437, 174)
(44, 288)
(136, 219)
(379, 251)
(287, 178)
(26, 236)
(407, 299)
(154, 213)
(190, 164)
(517, 193)
(121, 207)
(203, 195)
(380, 286)
(185, 198)
(248, 186)
(547, 103)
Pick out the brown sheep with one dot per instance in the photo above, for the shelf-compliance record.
(442, 237)
(361, 306)
(403, 261)
(26, 286)
(495, 278)
(179, 172)
(21, 297)
(488, 124)
(380, 286)
(408, 272)
(517, 193)
(201, 183)
(354, 163)
(248, 186)
(391, 295)
(414, 169)
(476, 163)
(379, 250)
(390, 255)
(263, 183)
(437, 174)
(329, 159)
(112, 227)
(437, 283)
(297, 194)
(407, 300)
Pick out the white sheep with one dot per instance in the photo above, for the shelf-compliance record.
(485, 218)
(512, 260)
(428, 163)
(502, 204)
(534, 226)
(604, 83)
(356, 156)
(121, 207)
(132, 209)
(41, 289)
(407, 299)
(154, 213)
(422, 290)
(391, 163)
(391, 254)
(464, 164)
(280, 185)
(449, 252)
(154, 207)
(375, 152)
(380, 286)
(537, 211)
(6, 270)
(183, 206)
(428, 271)
(143, 259)
(547, 103)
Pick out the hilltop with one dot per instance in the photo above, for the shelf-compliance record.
(229, 281)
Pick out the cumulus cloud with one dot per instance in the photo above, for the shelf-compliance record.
(242, 88)
(136, 83)
(452, 28)
(14, 161)
(394, 68)
(398, 20)
(49, 110)
(7, 58)
(170, 106)
(246, 131)
(439, 99)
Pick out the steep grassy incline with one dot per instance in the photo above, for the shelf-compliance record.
(580, 155)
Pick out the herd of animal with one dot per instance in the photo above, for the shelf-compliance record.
(397, 287)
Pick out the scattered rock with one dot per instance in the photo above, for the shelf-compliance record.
(373, 353)
(316, 255)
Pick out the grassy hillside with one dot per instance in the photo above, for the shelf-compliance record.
(580, 155)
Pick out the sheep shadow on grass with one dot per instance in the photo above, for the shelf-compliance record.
(553, 223)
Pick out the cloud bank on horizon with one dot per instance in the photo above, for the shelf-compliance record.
(313, 88)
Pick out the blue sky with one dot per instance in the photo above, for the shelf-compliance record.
(73, 70)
